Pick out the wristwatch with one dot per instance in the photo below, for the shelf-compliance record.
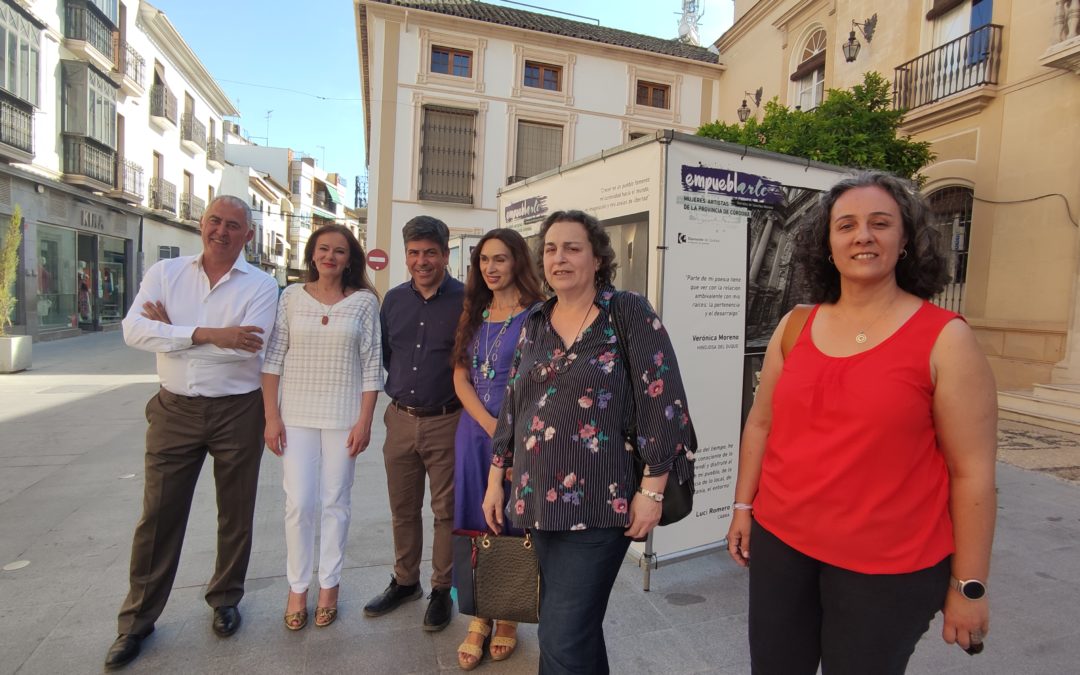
(972, 589)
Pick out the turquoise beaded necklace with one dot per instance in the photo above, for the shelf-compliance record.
(485, 370)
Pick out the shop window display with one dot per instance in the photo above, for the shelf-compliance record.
(112, 260)
(57, 278)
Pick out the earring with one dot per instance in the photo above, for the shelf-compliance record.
(903, 253)
(831, 261)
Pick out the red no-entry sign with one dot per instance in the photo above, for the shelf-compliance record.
(377, 259)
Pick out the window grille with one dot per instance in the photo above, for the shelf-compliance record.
(952, 209)
(447, 154)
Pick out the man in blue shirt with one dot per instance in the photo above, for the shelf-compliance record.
(419, 320)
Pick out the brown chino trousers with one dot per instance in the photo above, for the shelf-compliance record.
(182, 431)
(415, 447)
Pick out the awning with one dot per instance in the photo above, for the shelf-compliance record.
(334, 194)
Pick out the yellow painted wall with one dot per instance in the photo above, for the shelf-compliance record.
(1013, 142)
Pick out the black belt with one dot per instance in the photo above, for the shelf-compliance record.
(420, 411)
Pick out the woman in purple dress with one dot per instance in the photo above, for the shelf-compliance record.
(501, 287)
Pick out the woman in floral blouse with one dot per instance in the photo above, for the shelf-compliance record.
(562, 427)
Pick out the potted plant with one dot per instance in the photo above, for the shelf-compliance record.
(14, 349)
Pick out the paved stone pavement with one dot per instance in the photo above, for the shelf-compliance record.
(71, 445)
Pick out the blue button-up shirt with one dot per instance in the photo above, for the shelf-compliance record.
(417, 339)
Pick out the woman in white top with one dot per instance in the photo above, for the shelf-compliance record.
(324, 365)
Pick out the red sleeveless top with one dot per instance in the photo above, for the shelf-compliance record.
(852, 474)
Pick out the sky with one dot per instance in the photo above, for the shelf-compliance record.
(292, 69)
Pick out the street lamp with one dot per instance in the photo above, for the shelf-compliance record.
(852, 46)
(744, 111)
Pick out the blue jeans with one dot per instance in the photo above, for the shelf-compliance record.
(577, 571)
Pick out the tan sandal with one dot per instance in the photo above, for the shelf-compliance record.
(510, 642)
(480, 627)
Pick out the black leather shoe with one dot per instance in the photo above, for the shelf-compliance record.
(226, 620)
(394, 595)
(123, 650)
(439, 610)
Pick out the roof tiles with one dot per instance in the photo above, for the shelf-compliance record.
(543, 23)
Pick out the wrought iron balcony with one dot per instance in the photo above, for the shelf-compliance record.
(215, 151)
(16, 130)
(162, 195)
(129, 70)
(129, 181)
(191, 207)
(162, 104)
(192, 132)
(83, 25)
(88, 164)
(971, 60)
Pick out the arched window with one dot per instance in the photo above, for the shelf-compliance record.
(952, 208)
(809, 76)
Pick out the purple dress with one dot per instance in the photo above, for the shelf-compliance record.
(492, 349)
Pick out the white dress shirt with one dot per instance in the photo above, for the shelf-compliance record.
(245, 296)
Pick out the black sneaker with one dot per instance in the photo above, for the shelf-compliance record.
(439, 610)
(394, 595)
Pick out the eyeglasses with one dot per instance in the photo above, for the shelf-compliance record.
(545, 370)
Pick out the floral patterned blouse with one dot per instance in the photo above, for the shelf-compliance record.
(562, 423)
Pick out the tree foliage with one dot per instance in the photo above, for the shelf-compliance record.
(854, 127)
(9, 263)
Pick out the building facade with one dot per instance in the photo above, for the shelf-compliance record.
(271, 209)
(461, 98)
(318, 197)
(109, 143)
(993, 86)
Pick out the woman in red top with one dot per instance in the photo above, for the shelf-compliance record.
(866, 472)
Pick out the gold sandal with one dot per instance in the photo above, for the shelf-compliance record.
(503, 641)
(480, 627)
(324, 616)
(296, 620)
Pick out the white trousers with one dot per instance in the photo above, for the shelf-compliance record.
(318, 472)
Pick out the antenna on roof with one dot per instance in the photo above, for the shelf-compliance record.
(688, 24)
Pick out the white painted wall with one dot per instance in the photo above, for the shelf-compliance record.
(601, 88)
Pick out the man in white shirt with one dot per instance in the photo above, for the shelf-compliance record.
(203, 316)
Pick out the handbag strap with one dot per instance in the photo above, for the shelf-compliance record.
(621, 340)
(796, 321)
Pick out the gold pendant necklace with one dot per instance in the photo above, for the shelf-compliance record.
(861, 336)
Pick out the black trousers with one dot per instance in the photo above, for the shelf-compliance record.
(183, 431)
(803, 611)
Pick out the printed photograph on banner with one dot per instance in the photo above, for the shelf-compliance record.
(773, 285)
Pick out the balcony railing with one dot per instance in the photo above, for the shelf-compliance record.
(162, 102)
(16, 127)
(83, 159)
(129, 177)
(130, 63)
(81, 23)
(162, 195)
(969, 61)
(215, 151)
(192, 130)
(191, 207)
